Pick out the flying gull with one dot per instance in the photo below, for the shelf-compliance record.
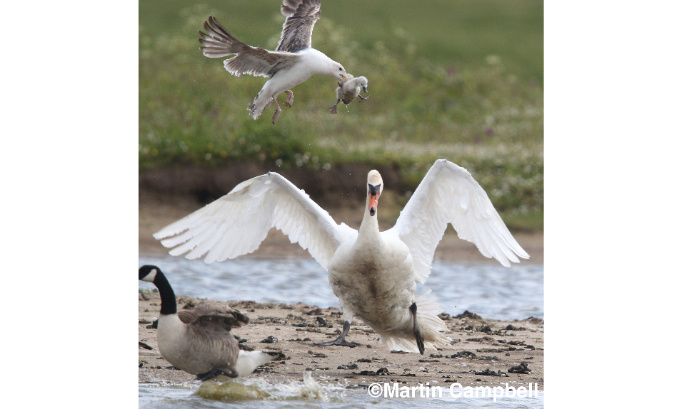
(292, 63)
(349, 90)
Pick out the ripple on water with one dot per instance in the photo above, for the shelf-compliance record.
(489, 290)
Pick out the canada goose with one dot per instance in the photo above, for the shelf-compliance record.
(372, 273)
(349, 90)
(292, 63)
(199, 341)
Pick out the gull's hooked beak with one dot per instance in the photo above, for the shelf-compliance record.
(343, 77)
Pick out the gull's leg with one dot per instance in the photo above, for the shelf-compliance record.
(290, 98)
(277, 111)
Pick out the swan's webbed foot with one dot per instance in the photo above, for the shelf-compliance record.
(363, 98)
(341, 340)
(216, 372)
(290, 98)
(417, 333)
(332, 110)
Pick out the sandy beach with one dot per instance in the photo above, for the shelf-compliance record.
(481, 351)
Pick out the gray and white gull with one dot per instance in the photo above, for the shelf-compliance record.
(292, 63)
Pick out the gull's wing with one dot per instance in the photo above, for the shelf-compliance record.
(217, 42)
(238, 222)
(297, 30)
(449, 194)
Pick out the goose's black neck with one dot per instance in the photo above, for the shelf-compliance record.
(168, 305)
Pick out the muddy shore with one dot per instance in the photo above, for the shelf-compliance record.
(481, 351)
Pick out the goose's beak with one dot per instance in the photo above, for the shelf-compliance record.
(373, 203)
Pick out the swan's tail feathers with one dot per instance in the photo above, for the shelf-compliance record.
(217, 42)
(248, 361)
(430, 326)
(259, 104)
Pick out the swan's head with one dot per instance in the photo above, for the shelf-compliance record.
(374, 187)
(148, 273)
(362, 82)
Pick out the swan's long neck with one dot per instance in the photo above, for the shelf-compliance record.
(369, 228)
(168, 304)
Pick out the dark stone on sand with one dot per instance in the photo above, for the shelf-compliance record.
(463, 354)
(468, 314)
(269, 340)
(382, 371)
(490, 372)
(145, 346)
(350, 365)
(520, 368)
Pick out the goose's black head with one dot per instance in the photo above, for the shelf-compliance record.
(149, 273)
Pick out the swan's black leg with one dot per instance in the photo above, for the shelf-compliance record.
(341, 340)
(417, 334)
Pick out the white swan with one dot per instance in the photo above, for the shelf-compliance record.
(372, 273)
(199, 341)
(292, 63)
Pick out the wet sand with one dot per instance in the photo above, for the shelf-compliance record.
(481, 351)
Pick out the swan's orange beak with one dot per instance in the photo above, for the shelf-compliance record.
(373, 203)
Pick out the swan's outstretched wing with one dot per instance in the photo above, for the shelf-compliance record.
(449, 194)
(238, 222)
(297, 30)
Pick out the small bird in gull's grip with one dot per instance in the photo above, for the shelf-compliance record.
(292, 63)
(349, 90)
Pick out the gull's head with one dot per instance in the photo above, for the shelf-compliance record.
(374, 187)
(339, 72)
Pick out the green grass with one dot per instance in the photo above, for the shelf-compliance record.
(461, 80)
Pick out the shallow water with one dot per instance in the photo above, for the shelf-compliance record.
(489, 290)
(296, 395)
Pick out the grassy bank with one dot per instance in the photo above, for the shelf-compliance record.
(459, 80)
